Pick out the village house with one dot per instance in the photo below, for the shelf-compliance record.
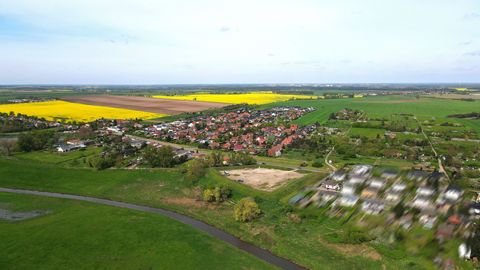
(63, 148)
(339, 176)
(389, 175)
(331, 185)
(347, 200)
(398, 187)
(357, 180)
(369, 193)
(455, 220)
(464, 251)
(425, 191)
(361, 170)
(452, 193)
(428, 218)
(373, 207)
(324, 196)
(71, 145)
(444, 207)
(417, 175)
(422, 202)
(115, 131)
(393, 196)
(275, 151)
(376, 183)
(474, 210)
(348, 189)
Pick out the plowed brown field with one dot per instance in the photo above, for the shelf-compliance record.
(156, 105)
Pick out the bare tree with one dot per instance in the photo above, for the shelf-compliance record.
(7, 146)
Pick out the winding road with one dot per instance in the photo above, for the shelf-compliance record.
(199, 225)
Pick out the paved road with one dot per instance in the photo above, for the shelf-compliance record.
(199, 225)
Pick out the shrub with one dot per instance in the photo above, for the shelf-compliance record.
(195, 170)
(317, 164)
(246, 210)
(217, 194)
(209, 195)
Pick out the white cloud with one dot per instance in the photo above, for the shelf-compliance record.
(183, 41)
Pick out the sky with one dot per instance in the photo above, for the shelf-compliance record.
(245, 41)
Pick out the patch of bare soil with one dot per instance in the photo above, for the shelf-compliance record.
(351, 250)
(19, 216)
(263, 179)
(147, 104)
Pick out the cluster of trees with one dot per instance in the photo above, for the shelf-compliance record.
(246, 210)
(36, 140)
(9, 122)
(346, 114)
(160, 157)
(115, 153)
(216, 159)
(216, 194)
(315, 144)
(7, 146)
(101, 162)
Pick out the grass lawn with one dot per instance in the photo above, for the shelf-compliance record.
(74, 158)
(80, 235)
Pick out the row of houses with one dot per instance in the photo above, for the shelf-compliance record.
(427, 199)
(24, 122)
(244, 130)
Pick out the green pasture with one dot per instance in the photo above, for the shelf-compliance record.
(80, 235)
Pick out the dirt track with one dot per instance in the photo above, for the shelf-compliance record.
(155, 105)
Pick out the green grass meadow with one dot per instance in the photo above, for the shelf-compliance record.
(386, 106)
(300, 239)
(80, 235)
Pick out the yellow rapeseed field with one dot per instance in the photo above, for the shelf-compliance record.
(250, 98)
(68, 111)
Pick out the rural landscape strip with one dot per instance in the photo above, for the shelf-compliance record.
(199, 225)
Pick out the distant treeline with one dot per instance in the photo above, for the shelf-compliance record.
(295, 92)
(474, 115)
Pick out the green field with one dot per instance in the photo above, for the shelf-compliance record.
(385, 106)
(305, 242)
(74, 158)
(79, 235)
